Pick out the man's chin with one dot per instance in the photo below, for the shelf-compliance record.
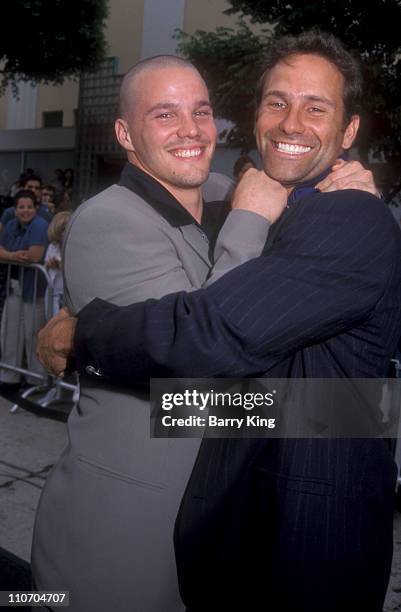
(288, 179)
(192, 181)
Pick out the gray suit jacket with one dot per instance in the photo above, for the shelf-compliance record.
(107, 513)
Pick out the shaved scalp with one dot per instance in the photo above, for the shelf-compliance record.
(127, 89)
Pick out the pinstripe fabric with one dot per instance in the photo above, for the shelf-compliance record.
(324, 300)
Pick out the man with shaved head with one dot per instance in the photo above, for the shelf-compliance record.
(104, 528)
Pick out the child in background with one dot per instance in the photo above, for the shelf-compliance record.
(53, 257)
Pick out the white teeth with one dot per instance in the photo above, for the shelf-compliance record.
(292, 149)
(187, 153)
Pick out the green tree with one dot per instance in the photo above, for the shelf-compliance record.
(229, 59)
(48, 40)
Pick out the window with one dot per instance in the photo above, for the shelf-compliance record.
(52, 119)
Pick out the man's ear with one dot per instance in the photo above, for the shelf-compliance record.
(123, 135)
(350, 132)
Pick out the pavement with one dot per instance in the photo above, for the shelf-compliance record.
(30, 445)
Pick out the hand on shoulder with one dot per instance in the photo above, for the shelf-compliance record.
(348, 175)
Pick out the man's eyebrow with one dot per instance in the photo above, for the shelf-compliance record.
(173, 106)
(327, 101)
(203, 103)
(162, 106)
(309, 97)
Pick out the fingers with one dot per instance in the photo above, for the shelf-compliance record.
(258, 193)
(339, 163)
(348, 184)
(22, 257)
(45, 332)
(44, 352)
(55, 342)
(348, 175)
(53, 363)
(343, 173)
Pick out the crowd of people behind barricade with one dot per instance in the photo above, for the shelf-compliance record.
(57, 193)
(33, 218)
(32, 223)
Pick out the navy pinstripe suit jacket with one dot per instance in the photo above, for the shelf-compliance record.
(324, 300)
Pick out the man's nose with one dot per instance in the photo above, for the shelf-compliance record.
(292, 122)
(188, 127)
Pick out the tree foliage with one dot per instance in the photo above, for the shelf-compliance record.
(229, 61)
(372, 31)
(46, 41)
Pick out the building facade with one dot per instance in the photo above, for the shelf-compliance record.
(71, 125)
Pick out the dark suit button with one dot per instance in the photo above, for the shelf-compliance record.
(92, 371)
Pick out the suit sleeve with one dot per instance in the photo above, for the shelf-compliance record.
(324, 273)
(241, 238)
(129, 255)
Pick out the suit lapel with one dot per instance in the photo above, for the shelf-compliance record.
(197, 240)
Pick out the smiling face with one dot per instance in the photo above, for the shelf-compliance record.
(25, 210)
(169, 131)
(300, 128)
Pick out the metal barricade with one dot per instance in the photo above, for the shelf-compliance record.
(27, 306)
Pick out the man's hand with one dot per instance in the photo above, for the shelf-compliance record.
(260, 194)
(56, 341)
(348, 175)
(20, 257)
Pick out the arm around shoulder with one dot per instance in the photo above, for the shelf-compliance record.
(323, 274)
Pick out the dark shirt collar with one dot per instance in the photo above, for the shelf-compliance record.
(307, 187)
(157, 196)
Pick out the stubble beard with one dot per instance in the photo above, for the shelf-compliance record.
(191, 180)
(285, 172)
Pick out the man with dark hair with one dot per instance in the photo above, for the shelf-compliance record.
(326, 46)
(299, 525)
(34, 184)
(48, 198)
